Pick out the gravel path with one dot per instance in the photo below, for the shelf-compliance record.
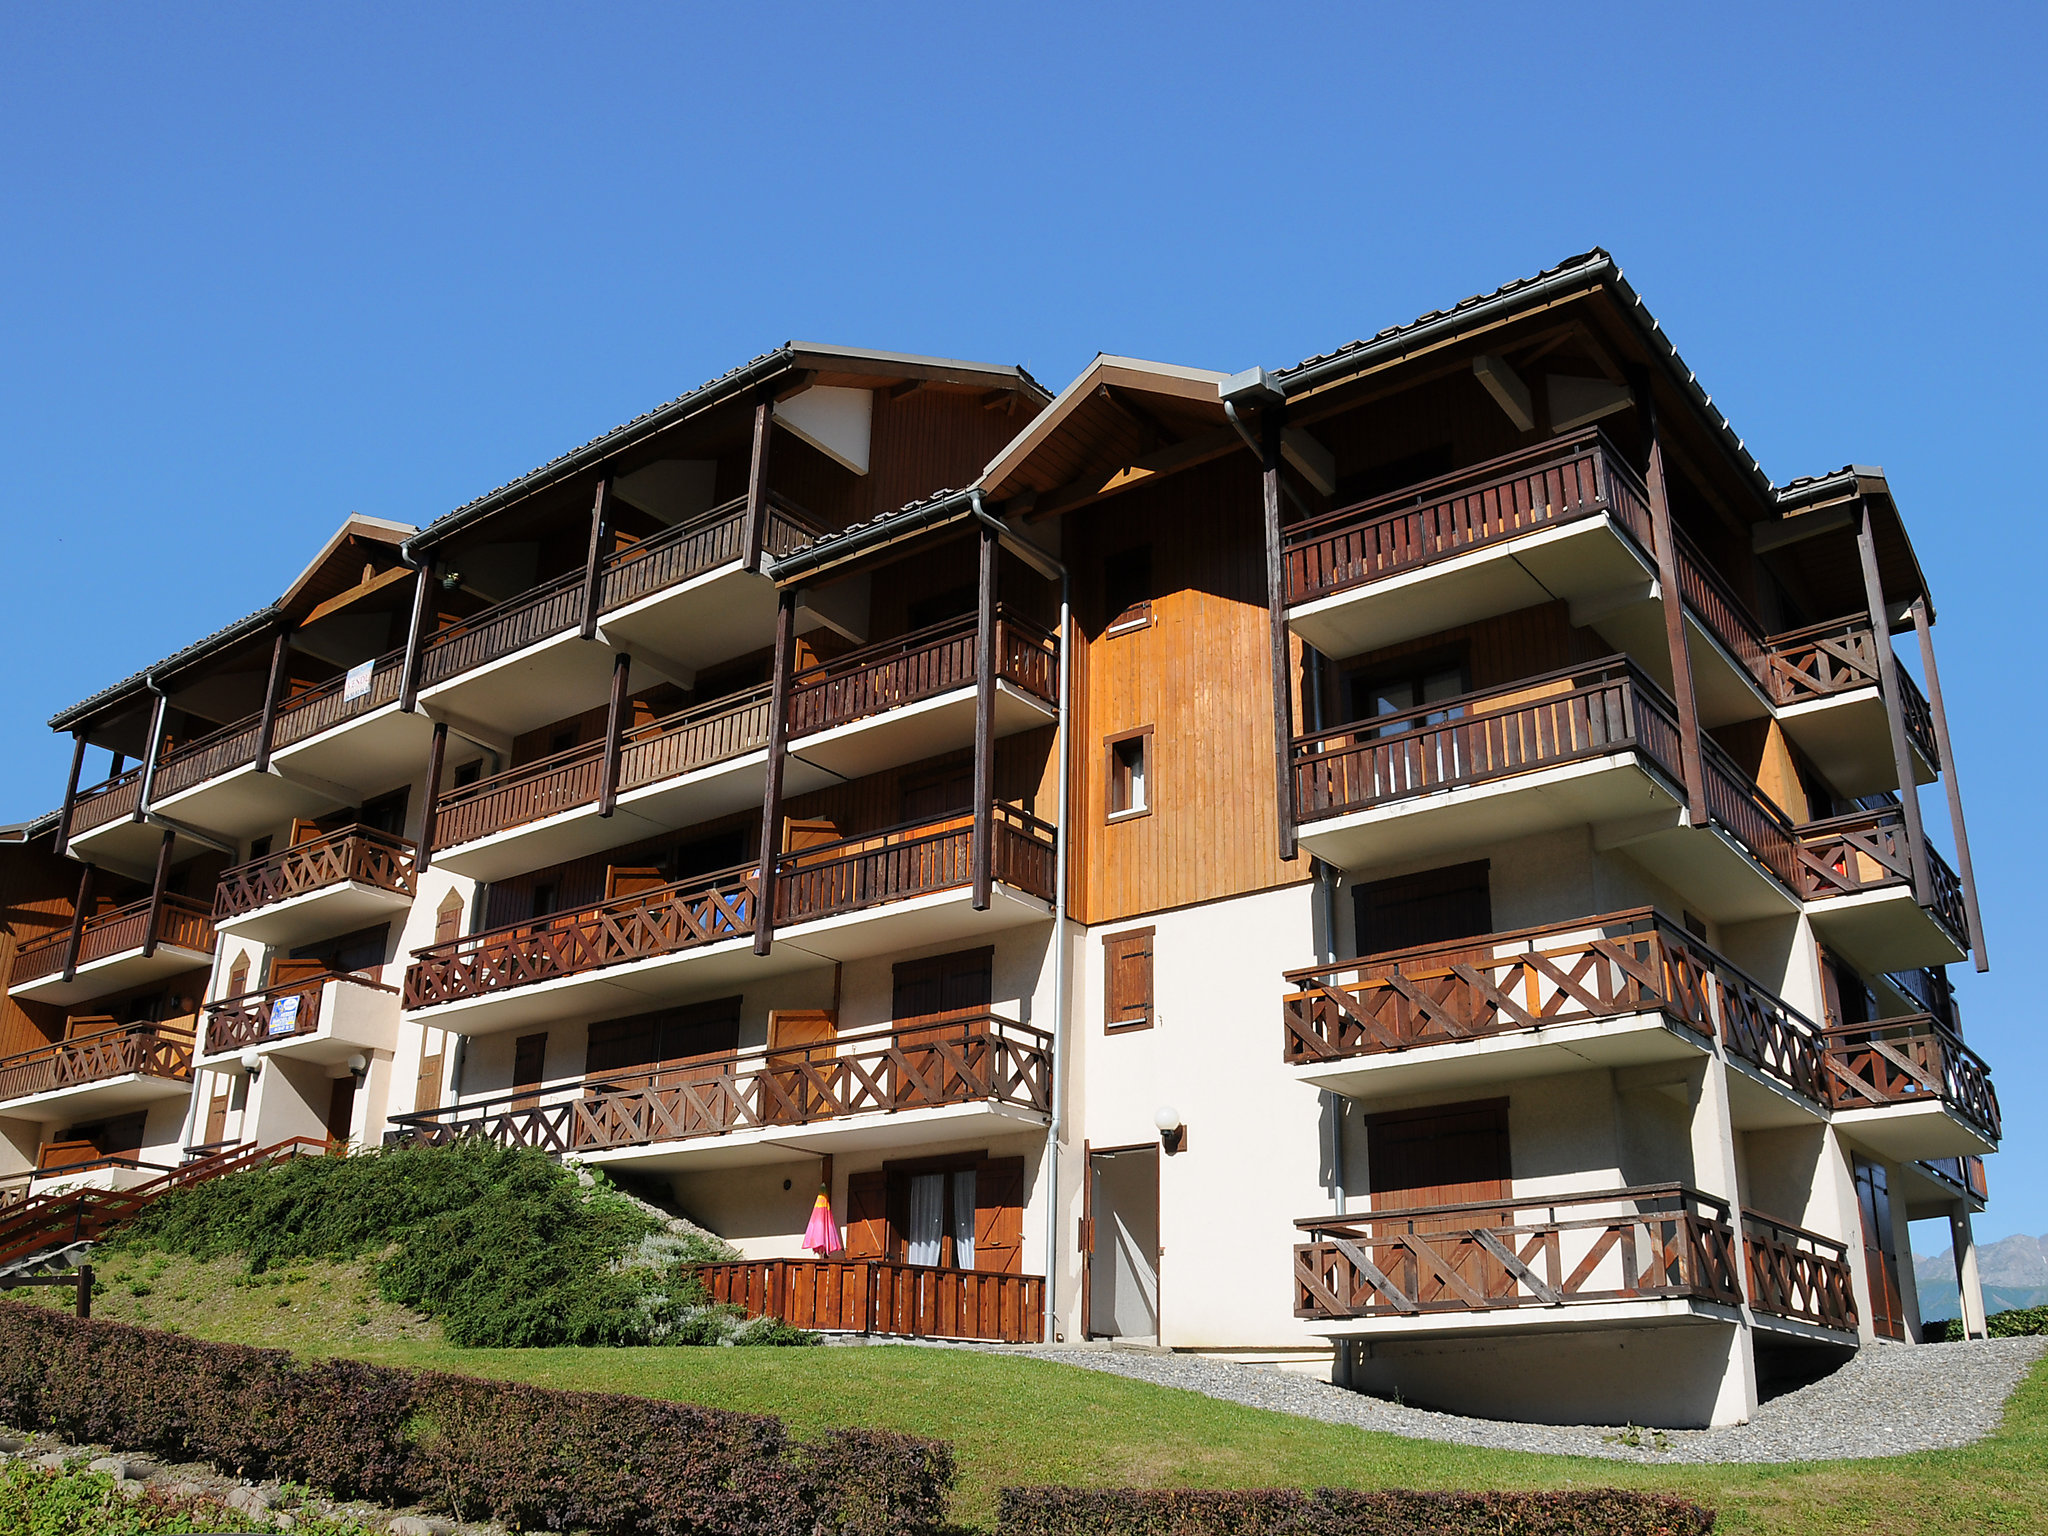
(1885, 1402)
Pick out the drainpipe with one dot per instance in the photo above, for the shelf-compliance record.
(1059, 971)
(156, 741)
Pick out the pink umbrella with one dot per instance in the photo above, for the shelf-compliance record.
(822, 1235)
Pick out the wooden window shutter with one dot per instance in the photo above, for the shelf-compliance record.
(238, 976)
(426, 1092)
(999, 1216)
(631, 879)
(867, 1215)
(1127, 980)
(448, 919)
(217, 1118)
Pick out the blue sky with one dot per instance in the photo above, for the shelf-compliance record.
(264, 265)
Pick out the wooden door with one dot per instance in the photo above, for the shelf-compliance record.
(815, 890)
(304, 832)
(217, 1118)
(934, 805)
(1432, 907)
(448, 919)
(284, 970)
(341, 1108)
(867, 1215)
(799, 1038)
(426, 1087)
(622, 880)
(999, 1216)
(932, 996)
(1880, 1250)
(529, 1067)
(1451, 1154)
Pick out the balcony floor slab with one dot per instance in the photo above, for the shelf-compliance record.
(76, 1100)
(1713, 871)
(112, 973)
(1849, 738)
(245, 803)
(369, 754)
(941, 917)
(338, 908)
(129, 847)
(916, 731)
(938, 1129)
(549, 680)
(1568, 1317)
(1912, 1130)
(723, 613)
(1884, 930)
(1634, 1040)
(1759, 1102)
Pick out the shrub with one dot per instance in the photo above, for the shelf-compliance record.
(2019, 1323)
(1342, 1512)
(59, 1504)
(529, 1456)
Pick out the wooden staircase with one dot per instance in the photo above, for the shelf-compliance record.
(32, 1231)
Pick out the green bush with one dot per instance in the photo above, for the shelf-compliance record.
(86, 1504)
(2020, 1323)
(502, 1245)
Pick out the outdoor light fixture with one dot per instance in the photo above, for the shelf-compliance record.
(450, 580)
(1173, 1135)
(252, 1063)
(357, 1066)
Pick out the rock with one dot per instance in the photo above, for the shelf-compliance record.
(112, 1466)
(140, 1466)
(12, 1445)
(284, 1523)
(131, 1488)
(52, 1462)
(250, 1501)
(186, 1490)
(419, 1525)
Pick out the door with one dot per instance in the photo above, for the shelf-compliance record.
(932, 1001)
(1448, 1154)
(801, 1045)
(1880, 1251)
(529, 1067)
(1435, 906)
(1123, 1255)
(621, 880)
(341, 1109)
(217, 1118)
(812, 885)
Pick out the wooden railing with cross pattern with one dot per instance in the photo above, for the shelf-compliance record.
(1660, 1241)
(1798, 1274)
(1869, 850)
(1606, 967)
(1911, 1060)
(972, 1058)
(349, 855)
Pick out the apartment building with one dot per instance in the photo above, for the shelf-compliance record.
(1412, 862)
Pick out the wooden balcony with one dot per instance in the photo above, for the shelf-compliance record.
(1797, 1274)
(1824, 682)
(357, 739)
(1949, 1179)
(876, 1296)
(1910, 1089)
(1592, 744)
(1856, 874)
(1623, 989)
(856, 897)
(212, 783)
(117, 950)
(114, 800)
(1629, 1256)
(907, 699)
(685, 768)
(325, 1019)
(924, 1085)
(107, 1069)
(330, 884)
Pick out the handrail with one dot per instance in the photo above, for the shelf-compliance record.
(359, 854)
(1793, 1229)
(922, 664)
(113, 797)
(44, 954)
(1909, 1059)
(443, 654)
(149, 1050)
(1796, 1273)
(244, 1019)
(315, 709)
(1868, 850)
(1672, 1190)
(221, 751)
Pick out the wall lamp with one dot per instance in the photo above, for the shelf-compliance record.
(252, 1063)
(358, 1067)
(1173, 1135)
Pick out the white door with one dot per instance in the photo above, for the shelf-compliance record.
(1123, 1267)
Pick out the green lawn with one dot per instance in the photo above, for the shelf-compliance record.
(1015, 1420)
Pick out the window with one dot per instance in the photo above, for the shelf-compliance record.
(259, 848)
(1435, 906)
(1127, 981)
(543, 899)
(954, 1212)
(386, 813)
(949, 604)
(1381, 691)
(1129, 768)
(562, 740)
(1127, 589)
(469, 773)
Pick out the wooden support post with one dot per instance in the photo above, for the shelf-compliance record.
(757, 484)
(1894, 709)
(415, 640)
(1690, 759)
(78, 916)
(273, 690)
(71, 789)
(594, 563)
(614, 730)
(981, 849)
(1271, 422)
(437, 754)
(1950, 782)
(156, 891)
(84, 1306)
(778, 748)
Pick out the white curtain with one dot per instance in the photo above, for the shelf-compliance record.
(927, 1218)
(963, 1220)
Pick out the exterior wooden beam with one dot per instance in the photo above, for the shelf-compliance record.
(757, 486)
(272, 690)
(778, 749)
(156, 892)
(1682, 693)
(1894, 709)
(614, 727)
(78, 913)
(415, 641)
(593, 564)
(1950, 782)
(71, 789)
(1271, 422)
(981, 853)
(437, 754)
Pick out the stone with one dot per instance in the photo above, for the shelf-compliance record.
(12, 1445)
(112, 1466)
(419, 1525)
(52, 1462)
(131, 1488)
(186, 1490)
(284, 1523)
(250, 1501)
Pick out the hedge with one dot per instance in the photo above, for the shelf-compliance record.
(528, 1456)
(1343, 1512)
(2019, 1323)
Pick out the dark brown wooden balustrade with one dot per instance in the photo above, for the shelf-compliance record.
(974, 1058)
(1798, 1274)
(351, 855)
(114, 800)
(180, 921)
(287, 1012)
(915, 859)
(1653, 1241)
(1545, 486)
(325, 705)
(697, 545)
(1612, 966)
(1911, 1060)
(151, 1050)
(1837, 657)
(499, 630)
(1869, 851)
(1965, 1175)
(222, 751)
(878, 1296)
(920, 665)
(708, 733)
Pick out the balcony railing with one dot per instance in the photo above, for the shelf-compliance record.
(1869, 851)
(1911, 1060)
(668, 748)
(976, 1058)
(1613, 966)
(915, 859)
(696, 545)
(222, 751)
(1798, 1274)
(327, 704)
(152, 1050)
(1840, 656)
(1535, 1251)
(358, 855)
(920, 665)
(1541, 487)
(180, 921)
(877, 1296)
(502, 628)
(290, 1011)
(114, 800)
(1965, 1175)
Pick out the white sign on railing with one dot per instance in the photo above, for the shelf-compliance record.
(357, 684)
(284, 1015)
